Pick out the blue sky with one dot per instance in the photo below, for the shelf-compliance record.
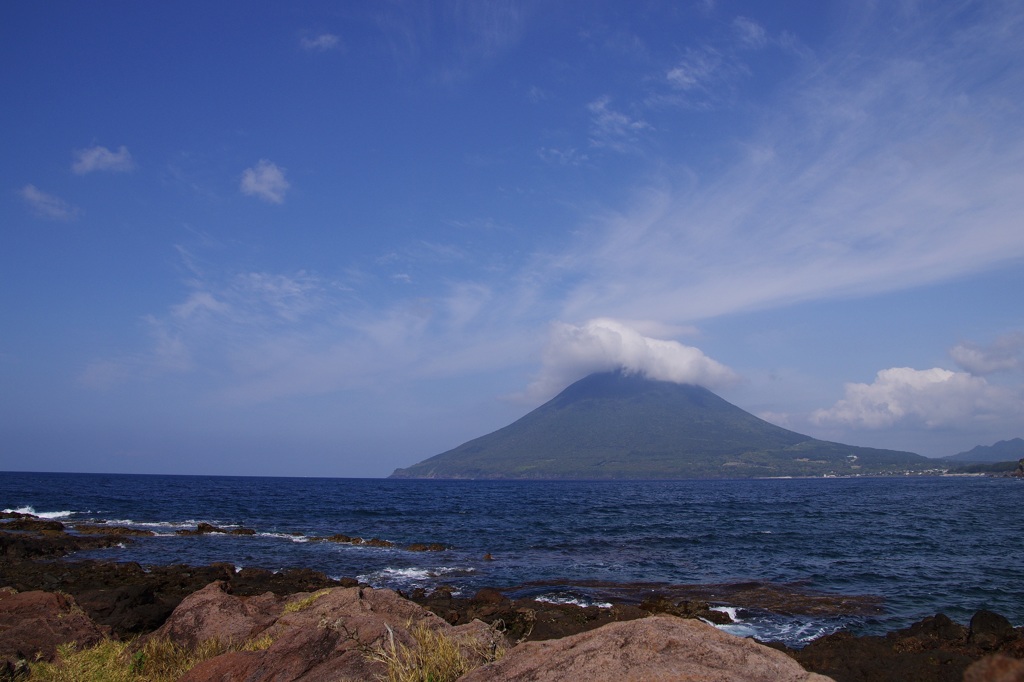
(337, 238)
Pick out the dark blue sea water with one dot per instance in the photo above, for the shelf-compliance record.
(923, 545)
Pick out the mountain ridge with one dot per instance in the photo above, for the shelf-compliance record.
(615, 425)
(1001, 451)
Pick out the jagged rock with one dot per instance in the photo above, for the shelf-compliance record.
(17, 546)
(33, 624)
(328, 635)
(129, 598)
(93, 529)
(989, 630)
(934, 650)
(33, 524)
(654, 649)
(685, 608)
(212, 613)
(201, 529)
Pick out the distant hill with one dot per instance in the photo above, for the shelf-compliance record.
(1003, 451)
(618, 426)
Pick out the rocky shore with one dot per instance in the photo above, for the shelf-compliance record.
(315, 628)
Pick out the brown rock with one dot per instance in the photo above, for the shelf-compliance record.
(93, 529)
(995, 668)
(211, 613)
(654, 649)
(201, 529)
(685, 608)
(488, 595)
(326, 635)
(33, 524)
(34, 624)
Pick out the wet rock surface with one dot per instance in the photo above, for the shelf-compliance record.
(935, 649)
(129, 598)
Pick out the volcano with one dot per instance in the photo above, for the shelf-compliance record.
(616, 425)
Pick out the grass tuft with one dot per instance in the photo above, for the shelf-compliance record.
(435, 657)
(158, 660)
(305, 602)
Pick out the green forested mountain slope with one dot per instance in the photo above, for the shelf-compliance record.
(618, 426)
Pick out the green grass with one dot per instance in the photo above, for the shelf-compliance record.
(305, 602)
(436, 657)
(158, 660)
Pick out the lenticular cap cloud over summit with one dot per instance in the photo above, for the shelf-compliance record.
(603, 344)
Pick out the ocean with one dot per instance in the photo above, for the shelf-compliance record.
(922, 545)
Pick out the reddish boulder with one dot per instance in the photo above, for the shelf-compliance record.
(326, 635)
(212, 613)
(654, 649)
(34, 624)
(995, 668)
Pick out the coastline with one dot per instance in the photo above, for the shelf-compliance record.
(130, 600)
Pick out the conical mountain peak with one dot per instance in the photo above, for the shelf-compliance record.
(616, 425)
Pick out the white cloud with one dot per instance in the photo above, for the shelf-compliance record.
(568, 156)
(932, 397)
(603, 345)
(751, 34)
(613, 129)
(1004, 354)
(265, 180)
(48, 206)
(102, 159)
(697, 69)
(871, 175)
(321, 43)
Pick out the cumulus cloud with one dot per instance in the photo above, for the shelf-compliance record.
(48, 206)
(1004, 354)
(265, 180)
(102, 159)
(604, 344)
(932, 397)
(321, 43)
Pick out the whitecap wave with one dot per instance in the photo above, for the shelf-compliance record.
(41, 515)
(284, 536)
(412, 576)
(577, 601)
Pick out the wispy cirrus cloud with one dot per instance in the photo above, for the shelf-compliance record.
(262, 336)
(48, 206)
(100, 158)
(266, 180)
(456, 38)
(324, 42)
(614, 129)
(751, 34)
(907, 169)
(1005, 353)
